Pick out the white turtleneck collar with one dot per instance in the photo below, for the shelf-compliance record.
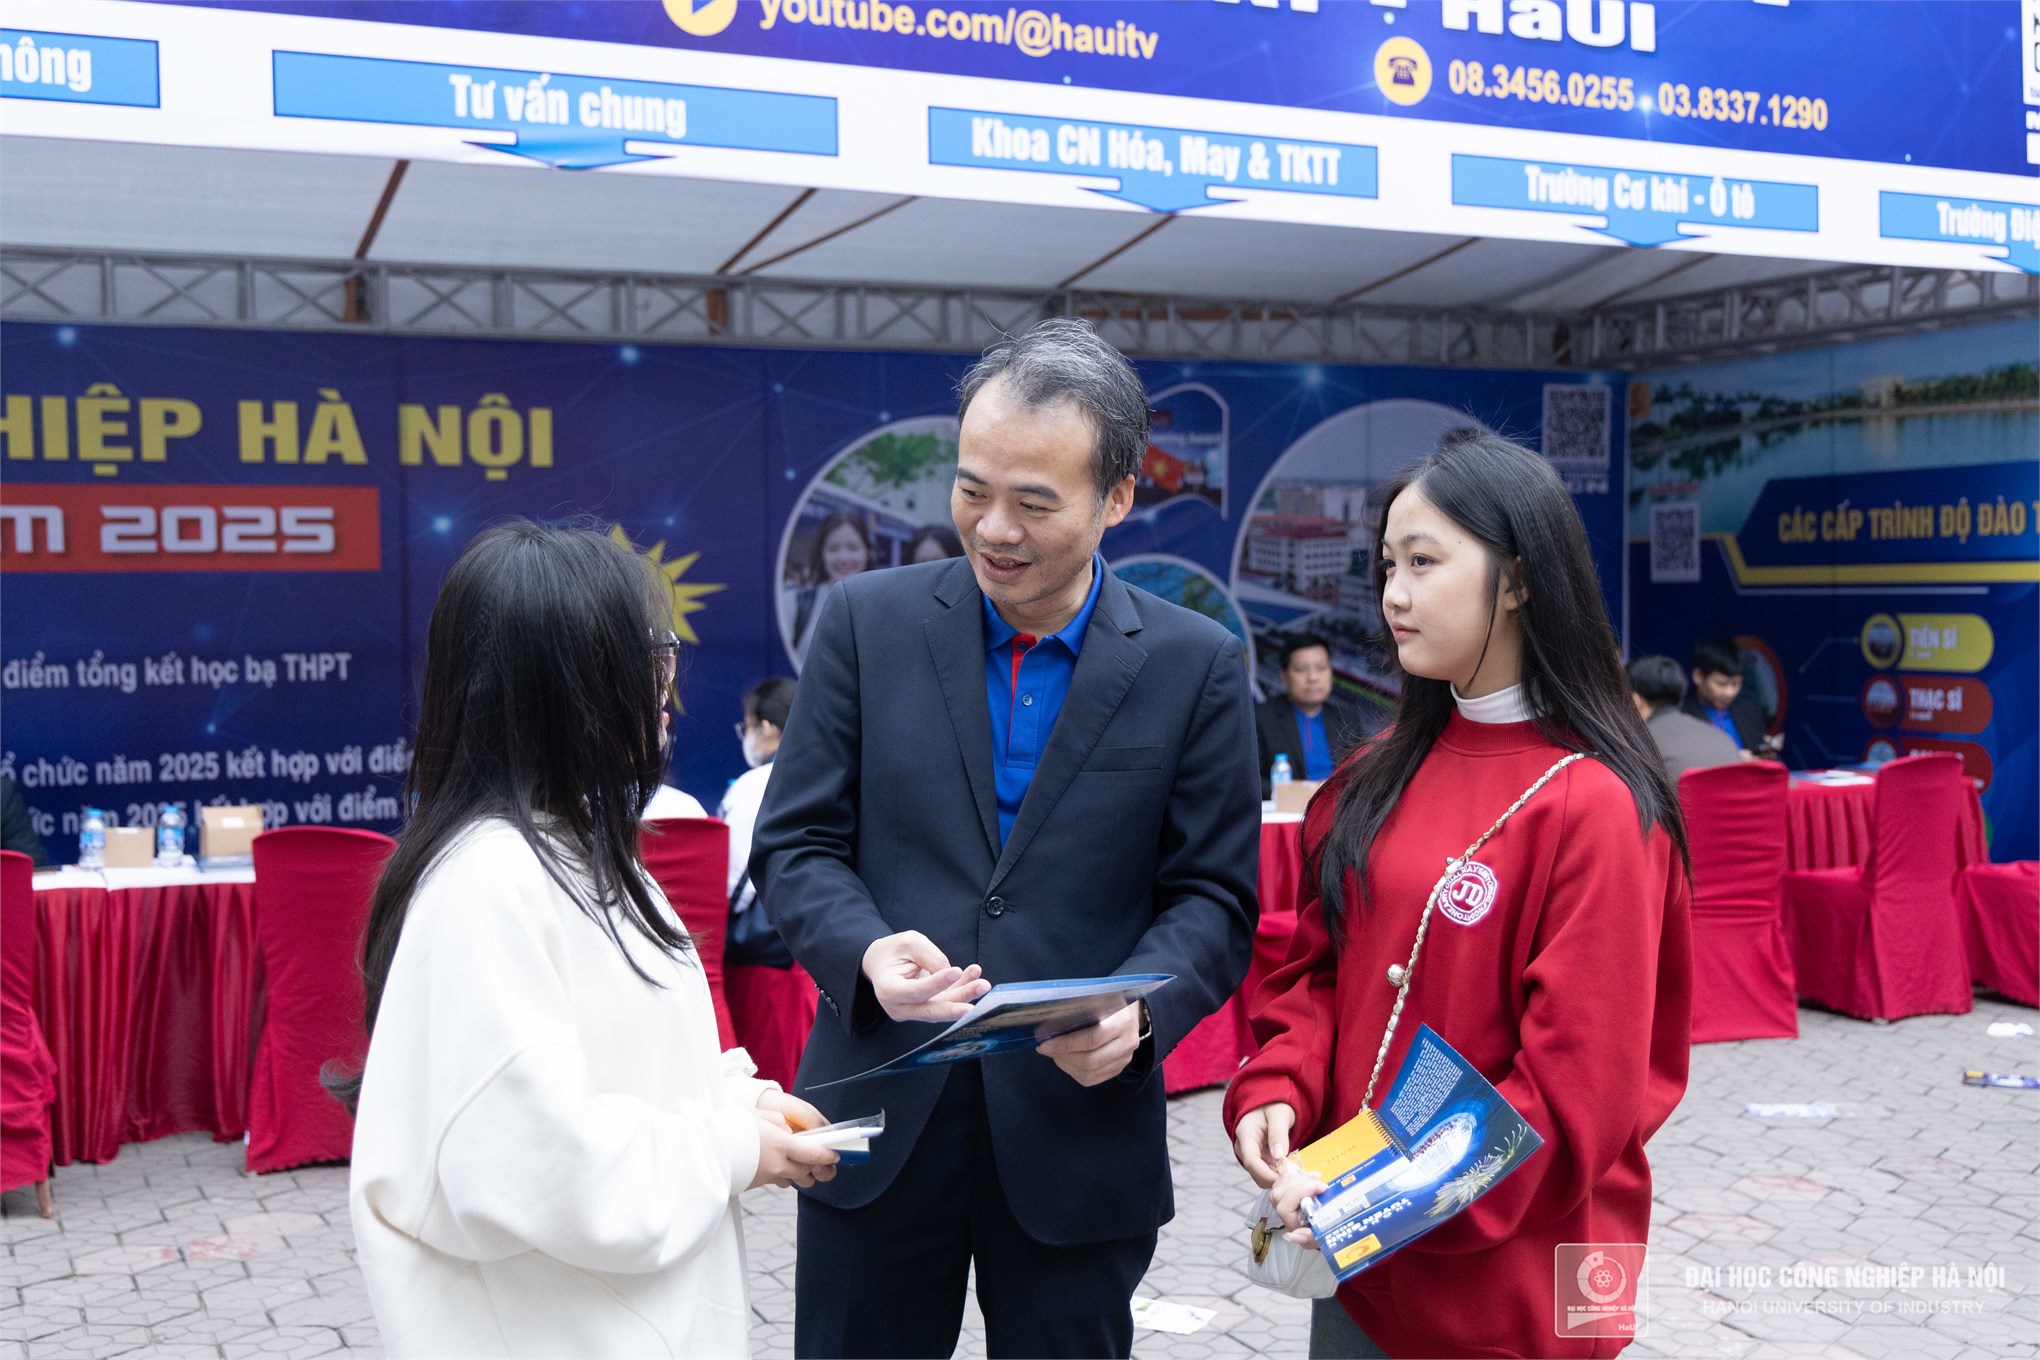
(1503, 706)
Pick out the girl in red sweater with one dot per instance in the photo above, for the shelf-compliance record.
(1557, 962)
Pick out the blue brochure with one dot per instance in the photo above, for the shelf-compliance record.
(1021, 1015)
(1442, 1139)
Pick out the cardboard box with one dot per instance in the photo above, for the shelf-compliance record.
(130, 847)
(228, 833)
(1295, 795)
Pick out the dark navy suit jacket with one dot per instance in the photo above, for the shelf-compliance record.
(1135, 850)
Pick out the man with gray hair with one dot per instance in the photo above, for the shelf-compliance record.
(1009, 768)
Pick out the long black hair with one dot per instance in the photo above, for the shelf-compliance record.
(818, 556)
(543, 689)
(1510, 500)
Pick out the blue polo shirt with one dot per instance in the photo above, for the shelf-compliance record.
(1024, 713)
(1724, 720)
(1317, 746)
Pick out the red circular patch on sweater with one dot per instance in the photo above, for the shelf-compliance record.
(1471, 894)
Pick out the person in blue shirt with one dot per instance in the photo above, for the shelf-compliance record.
(1307, 722)
(1717, 696)
(1011, 767)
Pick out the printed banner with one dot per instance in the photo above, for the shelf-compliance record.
(1727, 124)
(1866, 521)
(1753, 75)
(222, 547)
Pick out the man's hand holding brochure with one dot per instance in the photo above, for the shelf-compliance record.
(1022, 1015)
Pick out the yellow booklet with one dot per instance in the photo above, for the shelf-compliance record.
(1352, 1143)
(1358, 1142)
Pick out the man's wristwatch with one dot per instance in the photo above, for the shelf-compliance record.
(1147, 1025)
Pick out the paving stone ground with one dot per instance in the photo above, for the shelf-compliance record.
(171, 1251)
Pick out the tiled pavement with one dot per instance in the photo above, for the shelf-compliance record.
(171, 1251)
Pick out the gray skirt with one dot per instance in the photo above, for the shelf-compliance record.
(1335, 1336)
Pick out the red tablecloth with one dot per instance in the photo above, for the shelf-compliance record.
(148, 999)
(1828, 826)
(1211, 1053)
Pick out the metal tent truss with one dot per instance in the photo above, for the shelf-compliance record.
(1835, 305)
(349, 295)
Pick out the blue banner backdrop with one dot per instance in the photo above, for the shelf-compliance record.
(1926, 82)
(222, 547)
(1866, 518)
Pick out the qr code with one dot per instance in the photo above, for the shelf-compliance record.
(1576, 426)
(1675, 543)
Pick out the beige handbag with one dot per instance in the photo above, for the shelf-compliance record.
(1273, 1261)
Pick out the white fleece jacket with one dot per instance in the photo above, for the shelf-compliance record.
(548, 1149)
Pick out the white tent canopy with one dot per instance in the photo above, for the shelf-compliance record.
(132, 197)
(575, 253)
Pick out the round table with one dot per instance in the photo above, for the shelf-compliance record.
(148, 987)
(1212, 1052)
(1829, 824)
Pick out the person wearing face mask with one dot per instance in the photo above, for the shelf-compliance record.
(772, 1001)
(1557, 959)
(751, 938)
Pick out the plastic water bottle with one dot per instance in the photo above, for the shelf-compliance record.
(92, 840)
(170, 837)
(1279, 772)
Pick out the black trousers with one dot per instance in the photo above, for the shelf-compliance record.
(888, 1280)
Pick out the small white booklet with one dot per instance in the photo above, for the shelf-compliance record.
(851, 1138)
(1022, 1015)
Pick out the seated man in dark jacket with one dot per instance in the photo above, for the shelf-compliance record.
(1718, 697)
(1308, 723)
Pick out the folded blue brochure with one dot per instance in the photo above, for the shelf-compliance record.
(1443, 1138)
(1021, 1015)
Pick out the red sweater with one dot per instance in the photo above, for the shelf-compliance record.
(1570, 992)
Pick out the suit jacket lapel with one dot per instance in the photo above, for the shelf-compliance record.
(956, 641)
(1106, 667)
(1295, 721)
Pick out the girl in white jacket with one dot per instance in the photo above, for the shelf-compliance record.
(548, 1143)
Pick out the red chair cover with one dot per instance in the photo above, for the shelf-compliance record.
(28, 1075)
(1214, 1049)
(1884, 941)
(773, 1009)
(312, 888)
(1742, 961)
(2001, 914)
(690, 859)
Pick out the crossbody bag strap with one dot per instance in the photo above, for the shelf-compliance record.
(1452, 868)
